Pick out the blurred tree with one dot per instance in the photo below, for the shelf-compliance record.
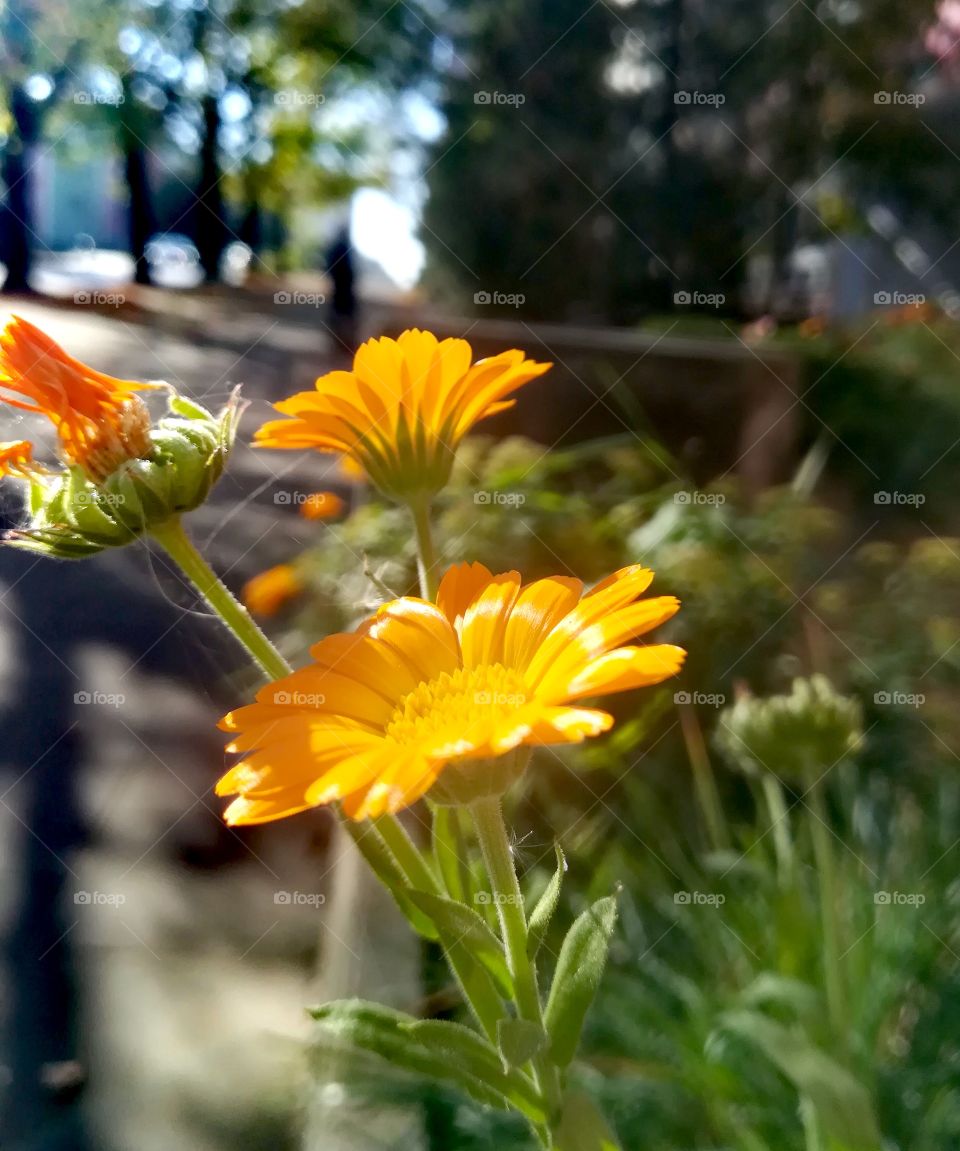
(33, 71)
(620, 154)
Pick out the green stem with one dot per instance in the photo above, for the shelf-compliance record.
(780, 826)
(178, 546)
(426, 553)
(703, 778)
(829, 913)
(505, 888)
(409, 857)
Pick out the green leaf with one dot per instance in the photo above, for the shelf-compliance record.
(582, 1127)
(456, 921)
(519, 1040)
(435, 1048)
(841, 1101)
(578, 974)
(546, 905)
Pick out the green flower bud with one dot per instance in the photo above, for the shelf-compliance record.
(796, 736)
(72, 516)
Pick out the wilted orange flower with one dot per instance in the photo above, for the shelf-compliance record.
(402, 410)
(322, 506)
(100, 421)
(267, 592)
(417, 688)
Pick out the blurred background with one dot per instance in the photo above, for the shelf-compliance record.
(735, 231)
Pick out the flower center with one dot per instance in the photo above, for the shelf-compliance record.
(465, 702)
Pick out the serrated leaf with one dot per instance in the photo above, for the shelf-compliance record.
(441, 1050)
(578, 974)
(841, 1101)
(582, 1127)
(546, 905)
(456, 922)
(519, 1040)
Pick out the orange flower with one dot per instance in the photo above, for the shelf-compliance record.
(16, 459)
(423, 689)
(322, 506)
(267, 592)
(403, 410)
(100, 421)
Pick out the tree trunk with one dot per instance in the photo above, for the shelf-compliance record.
(211, 229)
(18, 178)
(140, 224)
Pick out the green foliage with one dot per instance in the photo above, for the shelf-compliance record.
(577, 977)
(710, 1027)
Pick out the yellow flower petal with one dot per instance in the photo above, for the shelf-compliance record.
(383, 712)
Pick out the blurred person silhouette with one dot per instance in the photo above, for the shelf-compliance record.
(338, 263)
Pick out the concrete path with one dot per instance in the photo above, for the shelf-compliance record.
(147, 949)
